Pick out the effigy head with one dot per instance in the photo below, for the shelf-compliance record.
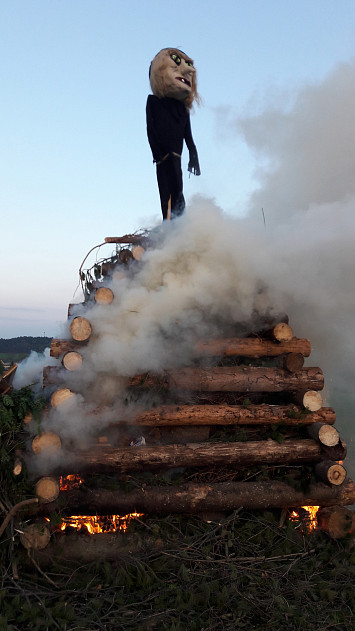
(172, 74)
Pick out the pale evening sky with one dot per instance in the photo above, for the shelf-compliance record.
(75, 162)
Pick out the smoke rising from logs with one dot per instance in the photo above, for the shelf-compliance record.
(207, 272)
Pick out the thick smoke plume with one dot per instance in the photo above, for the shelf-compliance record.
(209, 274)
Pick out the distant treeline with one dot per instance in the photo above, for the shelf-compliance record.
(24, 344)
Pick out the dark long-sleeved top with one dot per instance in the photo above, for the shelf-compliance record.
(168, 125)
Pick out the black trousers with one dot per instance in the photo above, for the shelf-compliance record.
(169, 177)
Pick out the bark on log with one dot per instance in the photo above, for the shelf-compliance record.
(59, 347)
(233, 415)
(293, 362)
(234, 379)
(336, 521)
(252, 347)
(80, 329)
(60, 396)
(196, 498)
(72, 360)
(142, 458)
(48, 442)
(326, 434)
(330, 472)
(47, 489)
(103, 296)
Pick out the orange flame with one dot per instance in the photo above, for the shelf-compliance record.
(68, 482)
(310, 521)
(96, 524)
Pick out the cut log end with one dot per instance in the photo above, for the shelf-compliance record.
(331, 472)
(35, 537)
(47, 489)
(47, 442)
(282, 332)
(80, 329)
(293, 362)
(312, 400)
(72, 360)
(336, 521)
(138, 252)
(60, 396)
(327, 435)
(104, 296)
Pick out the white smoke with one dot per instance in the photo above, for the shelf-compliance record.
(307, 194)
(30, 371)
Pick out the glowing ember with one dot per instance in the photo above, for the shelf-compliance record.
(68, 482)
(95, 524)
(310, 520)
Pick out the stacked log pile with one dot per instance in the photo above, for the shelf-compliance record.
(243, 426)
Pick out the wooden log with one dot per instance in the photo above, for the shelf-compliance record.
(330, 472)
(35, 536)
(325, 434)
(80, 329)
(103, 296)
(194, 498)
(47, 489)
(281, 332)
(293, 362)
(60, 347)
(138, 252)
(125, 256)
(234, 379)
(335, 452)
(60, 396)
(311, 400)
(237, 455)
(47, 442)
(252, 347)
(72, 360)
(233, 415)
(336, 521)
(17, 468)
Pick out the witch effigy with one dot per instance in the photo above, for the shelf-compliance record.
(173, 81)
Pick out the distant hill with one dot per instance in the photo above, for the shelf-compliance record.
(24, 345)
